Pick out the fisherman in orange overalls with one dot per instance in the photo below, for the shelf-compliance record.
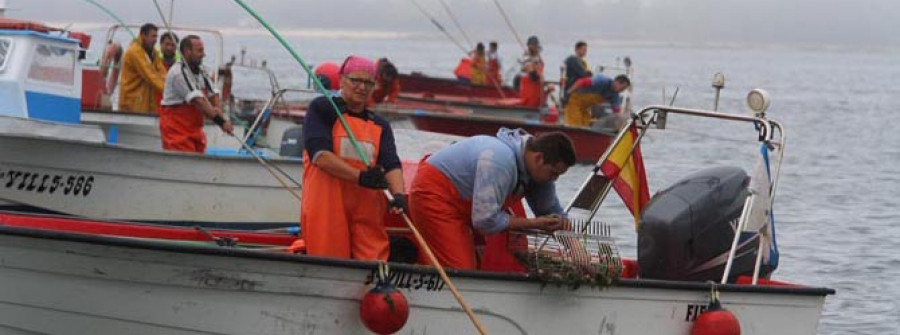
(493, 65)
(465, 189)
(343, 206)
(188, 97)
(531, 80)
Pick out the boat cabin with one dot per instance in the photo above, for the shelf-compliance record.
(40, 75)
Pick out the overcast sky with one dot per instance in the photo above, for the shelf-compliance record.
(871, 23)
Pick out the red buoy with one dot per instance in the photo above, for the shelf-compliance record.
(331, 72)
(384, 309)
(716, 321)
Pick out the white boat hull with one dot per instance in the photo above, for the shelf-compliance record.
(115, 182)
(103, 285)
(142, 130)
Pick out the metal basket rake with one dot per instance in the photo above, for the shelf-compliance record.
(585, 255)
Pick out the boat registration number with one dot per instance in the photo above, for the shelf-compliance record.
(411, 281)
(71, 185)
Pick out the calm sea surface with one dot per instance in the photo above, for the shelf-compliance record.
(836, 211)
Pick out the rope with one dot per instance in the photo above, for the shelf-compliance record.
(440, 27)
(364, 158)
(455, 22)
(509, 24)
(269, 168)
(113, 15)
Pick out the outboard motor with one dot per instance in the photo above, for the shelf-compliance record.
(292, 142)
(686, 230)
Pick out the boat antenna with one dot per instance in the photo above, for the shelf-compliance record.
(440, 27)
(412, 227)
(455, 22)
(509, 24)
(113, 15)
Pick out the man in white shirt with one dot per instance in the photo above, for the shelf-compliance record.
(189, 96)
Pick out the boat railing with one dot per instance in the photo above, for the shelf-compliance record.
(262, 118)
(596, 187)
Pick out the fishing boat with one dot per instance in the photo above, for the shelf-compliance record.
(52, 162)
(589, 143)
(418, 83)
(106, 277)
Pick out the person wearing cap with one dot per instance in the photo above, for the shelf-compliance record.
(189, 98)
(588, 92)
(531, 82)
(343, 204)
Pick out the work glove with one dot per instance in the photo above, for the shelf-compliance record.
(399, 203)
(373, 177)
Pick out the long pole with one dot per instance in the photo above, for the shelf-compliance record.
(455, 22)
(509, 24)
(440, 27)
(465, 51)
(364, 158)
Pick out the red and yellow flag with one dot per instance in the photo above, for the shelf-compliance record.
(626, 170)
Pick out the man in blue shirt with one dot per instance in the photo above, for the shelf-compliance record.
(466, 188)
(589, 92)
(576, 68)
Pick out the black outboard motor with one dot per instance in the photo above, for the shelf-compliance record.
(686, 230)
(292, 142)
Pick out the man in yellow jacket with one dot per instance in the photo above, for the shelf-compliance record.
(143, 74)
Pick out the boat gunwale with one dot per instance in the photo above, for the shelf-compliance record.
(372, 265)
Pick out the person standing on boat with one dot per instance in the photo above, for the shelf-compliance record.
(387, 84)
(493, 65)
(531, 82)
(465, 189)
(143, 73)
(188, 99)
(478, 73)
(588, 92)
(343, 206)
(168, 49)
(576, 68)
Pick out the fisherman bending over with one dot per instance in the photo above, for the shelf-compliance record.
(588, 92)
(465, 189)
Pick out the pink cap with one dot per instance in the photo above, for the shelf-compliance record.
(355, 63)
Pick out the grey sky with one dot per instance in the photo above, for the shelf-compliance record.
(871, 23)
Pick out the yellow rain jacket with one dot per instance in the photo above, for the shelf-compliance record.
(143, 80)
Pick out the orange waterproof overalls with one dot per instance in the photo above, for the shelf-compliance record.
(339, 218)
(445, 221)
(181, 126)
(531, 91)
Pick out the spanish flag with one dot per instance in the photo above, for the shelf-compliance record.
(626, 169)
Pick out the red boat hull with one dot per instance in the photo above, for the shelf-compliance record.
(589, 143)
(419, 83)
